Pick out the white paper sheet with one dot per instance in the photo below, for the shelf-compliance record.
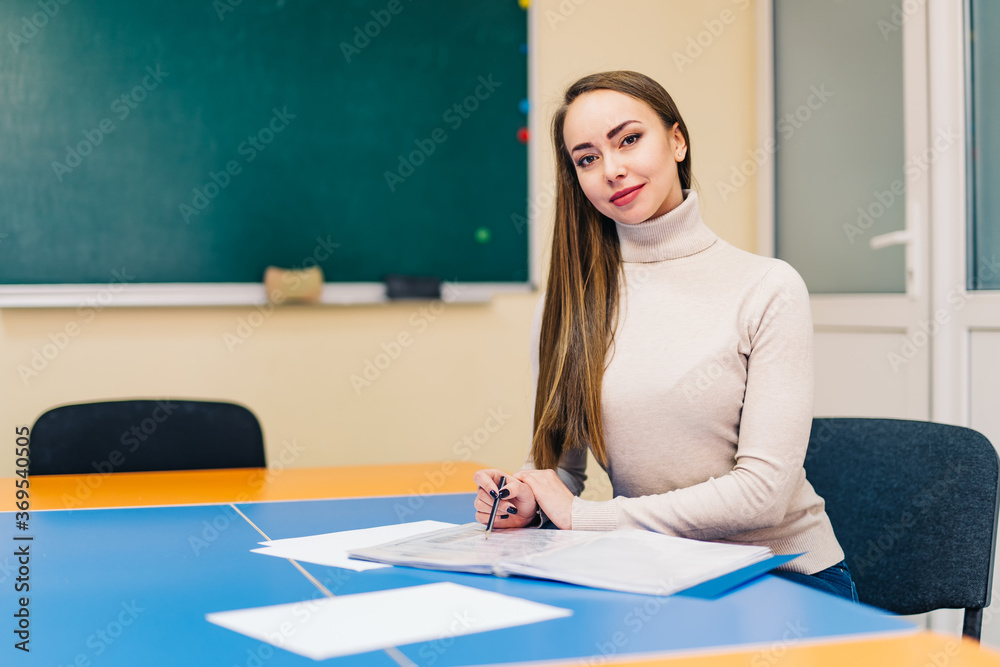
(331, 548)
(349, 624)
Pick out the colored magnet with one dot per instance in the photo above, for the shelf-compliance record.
(522, 135)
(524, 3)
(483, 235)
(523, 106)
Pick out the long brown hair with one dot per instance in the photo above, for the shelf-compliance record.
(581, 298)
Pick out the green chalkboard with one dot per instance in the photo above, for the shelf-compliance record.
(199, 142)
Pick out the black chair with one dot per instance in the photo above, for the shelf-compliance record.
(144, 436)
(914, 505)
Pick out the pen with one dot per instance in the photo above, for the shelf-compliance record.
(496, 504)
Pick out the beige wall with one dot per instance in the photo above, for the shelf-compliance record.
(294, 370)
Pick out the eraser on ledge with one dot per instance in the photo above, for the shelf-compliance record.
(399, 286)
(292, 285)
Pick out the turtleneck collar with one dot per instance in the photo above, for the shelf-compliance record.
(675, 234)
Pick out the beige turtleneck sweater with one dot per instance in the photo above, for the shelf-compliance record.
(707, 397)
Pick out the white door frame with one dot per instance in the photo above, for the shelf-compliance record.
(978, 309)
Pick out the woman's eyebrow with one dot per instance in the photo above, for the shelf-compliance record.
(611, 135)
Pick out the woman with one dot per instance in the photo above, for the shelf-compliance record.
(683, 363)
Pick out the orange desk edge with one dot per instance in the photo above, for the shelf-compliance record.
(186, 487)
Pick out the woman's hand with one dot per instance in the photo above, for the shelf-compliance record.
(551, 495)
(517, 502)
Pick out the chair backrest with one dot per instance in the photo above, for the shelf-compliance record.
(914, 505)
(144, 436)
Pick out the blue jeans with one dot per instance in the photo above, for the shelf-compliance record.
(835, 579)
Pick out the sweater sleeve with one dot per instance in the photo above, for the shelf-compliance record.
(773, 432)
(573, 464)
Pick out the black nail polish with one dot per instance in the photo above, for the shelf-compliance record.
(504, 516)
(493, 493)
(504, 493)
(512, 510)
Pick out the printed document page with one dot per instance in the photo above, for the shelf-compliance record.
(639, 561)
(466, 548)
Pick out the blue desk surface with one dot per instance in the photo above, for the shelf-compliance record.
(132, 586)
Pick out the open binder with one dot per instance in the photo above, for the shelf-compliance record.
(633, 561)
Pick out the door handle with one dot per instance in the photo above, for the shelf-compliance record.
(902, 237)
(908, 237)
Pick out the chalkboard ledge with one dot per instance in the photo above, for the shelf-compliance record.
(99, 296)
